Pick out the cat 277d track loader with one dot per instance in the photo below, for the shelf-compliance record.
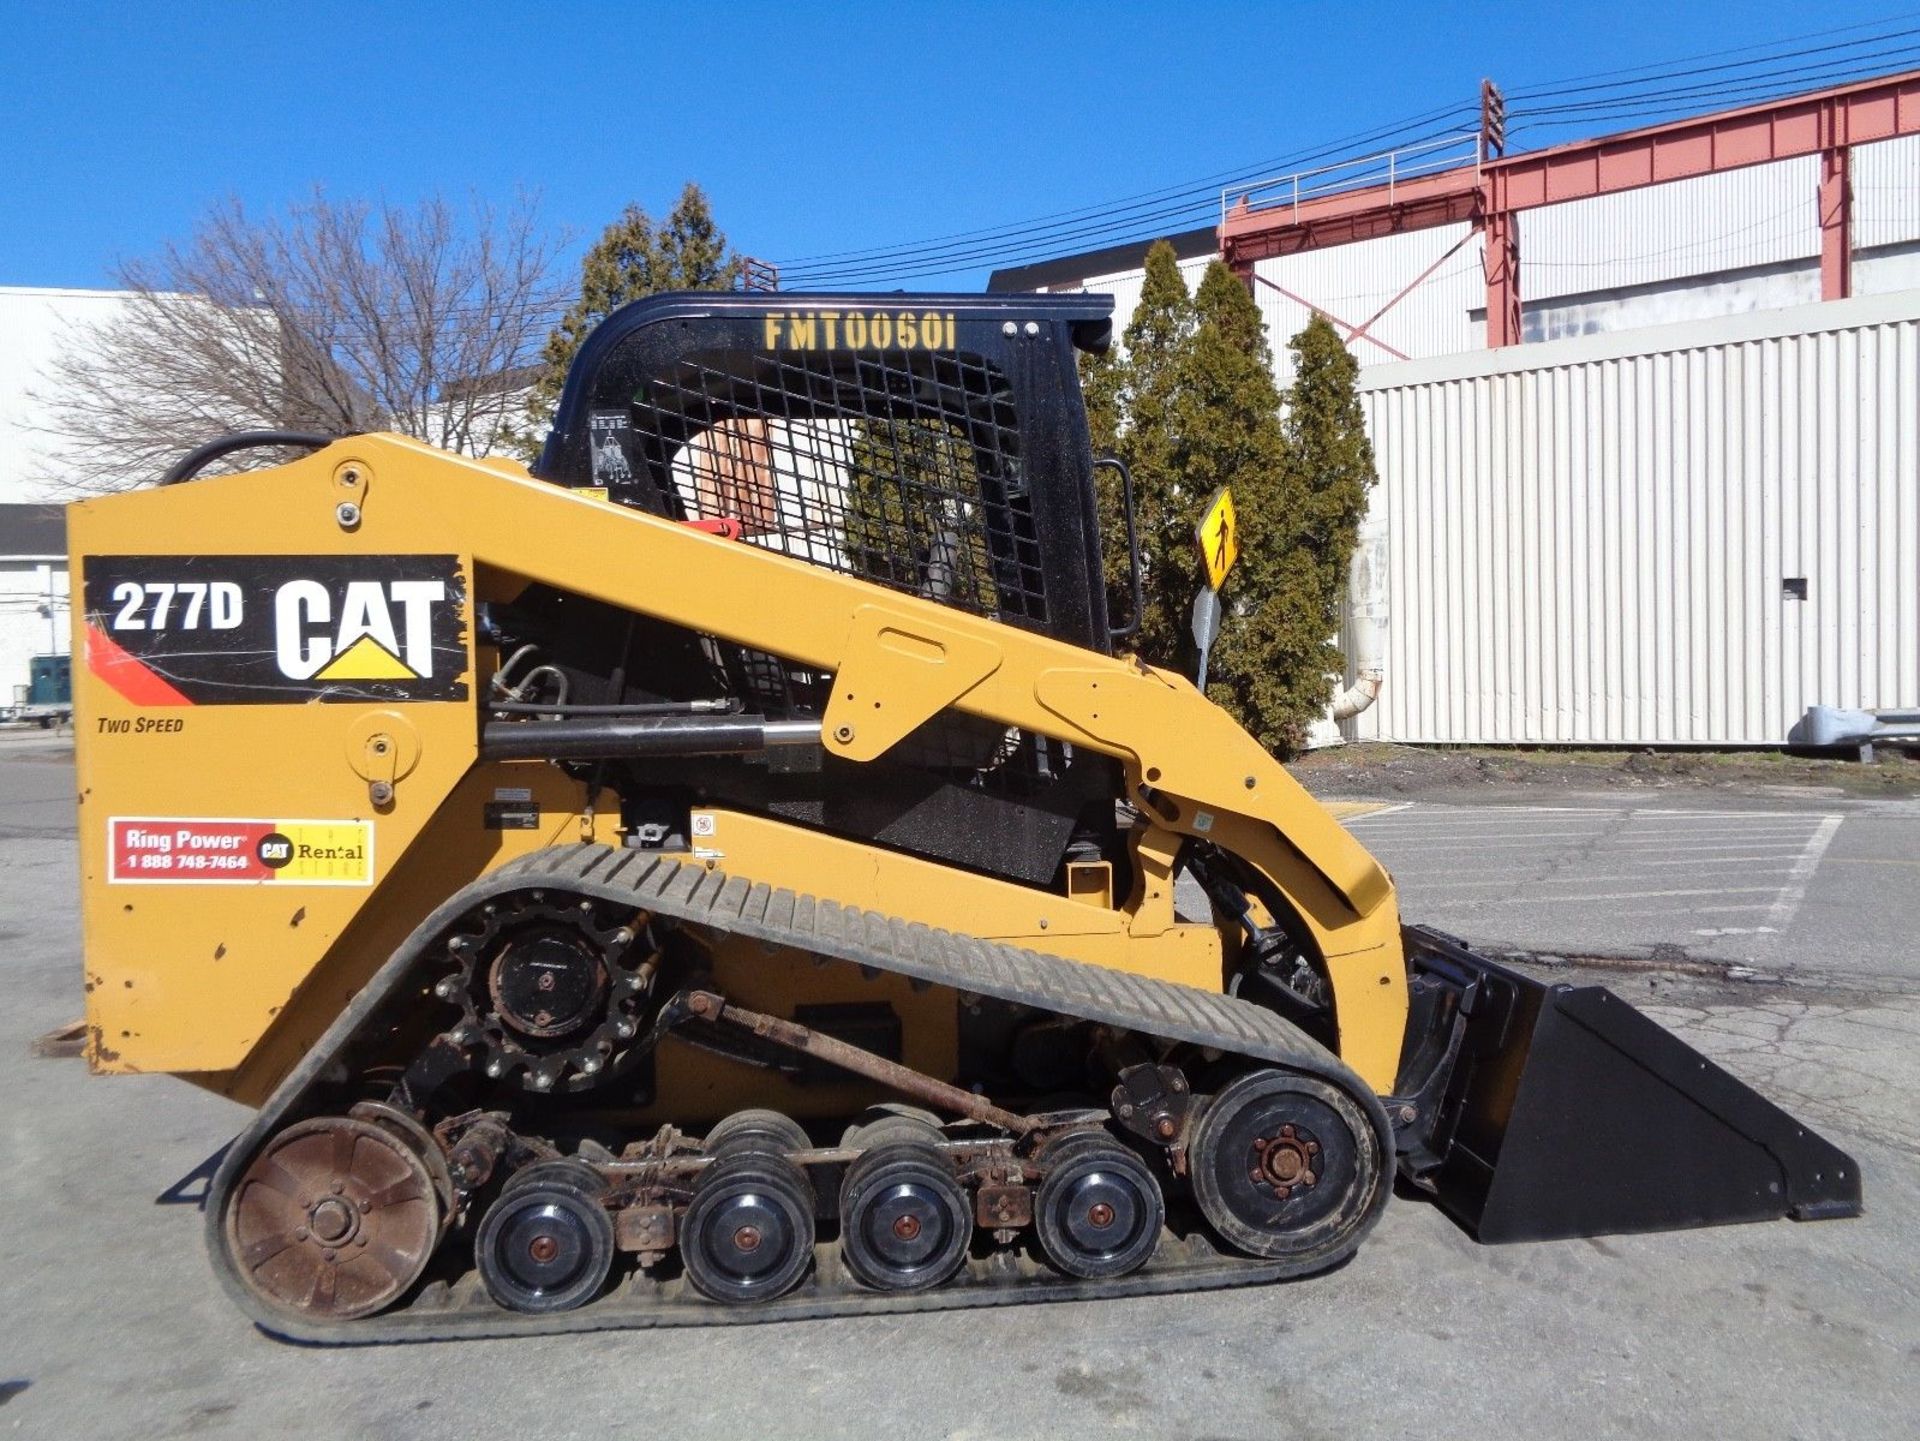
(730, 871)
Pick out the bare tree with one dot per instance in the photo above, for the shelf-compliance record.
(338, 317)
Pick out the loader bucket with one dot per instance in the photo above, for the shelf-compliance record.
(1542, 1111)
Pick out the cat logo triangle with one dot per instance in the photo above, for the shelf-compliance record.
(366, 659)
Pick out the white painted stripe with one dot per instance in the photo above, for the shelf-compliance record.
(1795, 890)
(1477, 824)
(1714, 845)
(1411, 823)
(1475, 837)
(1731, 815)
(1635, 896)
(1456, 843)
(1434, 808)
(1759, 863)
(1639, 835)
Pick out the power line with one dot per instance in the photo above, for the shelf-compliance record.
(1614, 97)
(1567, 85)
(1208, 184)
(1746, 84)
(1651, 109)
(1114, 230)
(1190, 200)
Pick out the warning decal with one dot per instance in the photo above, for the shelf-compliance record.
(277, 629)
(185, 850)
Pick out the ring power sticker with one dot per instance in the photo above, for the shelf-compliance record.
(186, 850)
(277, 629)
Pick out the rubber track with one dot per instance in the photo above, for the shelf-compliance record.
(694, 893)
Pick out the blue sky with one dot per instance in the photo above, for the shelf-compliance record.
(814, 130)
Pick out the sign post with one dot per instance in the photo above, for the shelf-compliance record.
(1218, 536)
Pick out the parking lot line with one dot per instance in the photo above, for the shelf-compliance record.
(1795, 890)
(1560, 898)
(1758, 863)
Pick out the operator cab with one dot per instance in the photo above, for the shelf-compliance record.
(935, 444)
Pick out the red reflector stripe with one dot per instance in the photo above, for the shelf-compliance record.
(124, 673)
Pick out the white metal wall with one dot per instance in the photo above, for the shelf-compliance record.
(28, 584)
(1585, 541)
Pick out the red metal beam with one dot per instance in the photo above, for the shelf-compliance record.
(1855, 114)
(1501, 261)
(1353, 331)
(1836, 223)
(1427, 201)
(1824, 123)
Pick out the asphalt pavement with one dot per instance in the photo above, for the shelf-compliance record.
(116, 1328)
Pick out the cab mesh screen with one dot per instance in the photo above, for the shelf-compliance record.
(898, 467)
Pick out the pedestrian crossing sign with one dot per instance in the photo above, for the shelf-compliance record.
(1219, 536)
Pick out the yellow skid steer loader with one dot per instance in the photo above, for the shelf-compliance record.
(729, 871)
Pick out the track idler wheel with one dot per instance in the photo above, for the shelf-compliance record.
(1099, 1211)
(546, 1244)
(334, 1219)
(905, 1222)
(1284, 1166)
(748, 1232)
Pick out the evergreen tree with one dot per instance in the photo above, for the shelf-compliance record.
(1229, 434)
(633, 258)
(1192, 406)
(1331, 462)
(693, 254)
(1150, 376)
(1100, 379)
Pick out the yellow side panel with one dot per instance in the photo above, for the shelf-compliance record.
(225, 847)
(754, 848)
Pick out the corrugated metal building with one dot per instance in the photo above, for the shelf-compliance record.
(1682, 534)
(34, 324)
(1585, 538)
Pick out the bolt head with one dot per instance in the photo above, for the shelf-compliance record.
(347, 514)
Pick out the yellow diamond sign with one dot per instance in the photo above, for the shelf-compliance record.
(1219, 537)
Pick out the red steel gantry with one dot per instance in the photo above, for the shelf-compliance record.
(1492, 193)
